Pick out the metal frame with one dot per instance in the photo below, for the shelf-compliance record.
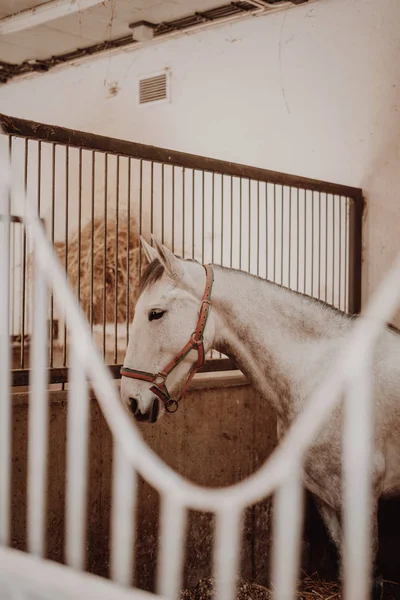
(30, 130)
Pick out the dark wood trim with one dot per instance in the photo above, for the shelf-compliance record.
(90, 141)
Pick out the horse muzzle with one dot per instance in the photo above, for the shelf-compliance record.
(150, 416)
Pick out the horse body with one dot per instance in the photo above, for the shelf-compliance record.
(285, 344)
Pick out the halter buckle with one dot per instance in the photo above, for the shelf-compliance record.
(159, 378)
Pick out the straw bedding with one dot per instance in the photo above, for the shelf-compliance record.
(108, 259)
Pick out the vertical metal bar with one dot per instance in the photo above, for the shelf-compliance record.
(79, 223)
(173, 208)
(305, 241)
(5, 359)
(298, 241)
(282, 230)
(358, 439)
(266, 232)
(123, 508)
(290, 236)
(340, 252)
(319, 247)
(77, 454)
(258, 228)
(128, 247)
(355, 254)
(326, 247)
(39, 183)
(202, 218)
(193, 209)
(274, 265)
(231, 230)
(92, 242)
(173, 525)
(183, 212)
(66, 240)
(213, 217)
(53, 209)
(346, 257)
(152, 199)
(38, 421)
(227, 552)
(333, 248)
(23, 299)
(105, 253)
(222, 219)
(240, 222)
(116, 264)
(140, 215)
(249, 233)
(162, 203)
(312, 243)
(288, 518)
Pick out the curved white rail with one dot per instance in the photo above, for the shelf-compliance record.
(281, 474)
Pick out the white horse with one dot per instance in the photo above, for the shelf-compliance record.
(283, 342)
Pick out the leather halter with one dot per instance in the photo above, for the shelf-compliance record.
(196, 342)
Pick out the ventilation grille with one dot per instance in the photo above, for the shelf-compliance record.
(153, 89)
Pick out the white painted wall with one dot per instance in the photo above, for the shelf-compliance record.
(313, 91)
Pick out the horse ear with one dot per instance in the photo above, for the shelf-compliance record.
(171, 263)
(151, 253)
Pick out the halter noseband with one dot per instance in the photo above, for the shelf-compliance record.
(159, 387)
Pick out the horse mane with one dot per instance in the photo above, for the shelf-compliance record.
(155, 270)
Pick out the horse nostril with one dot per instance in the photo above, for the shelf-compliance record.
(133, 405)
(155, 409)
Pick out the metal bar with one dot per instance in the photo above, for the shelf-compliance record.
(23, 298)
(105, 253)
(240, 221)
(358, 439)
(128, 244)
(355, 254)
(333, 249)
(79, 139)
(340, 253)
(193, 210)
(274, 269)
(20, 377)
(116, 267)
(173, 525)
(202, 218)
(39, 184)
(222, 219)
(326, 248)
(258, 228)
(319, 246)
(312, 243)
(77, 454)
(38, 423)
(66, 240)
(79, 223)
(290, 237)
(173, 209)
(183, 212)
(140, 215)
(249, 256)
(282, 230)
(227, 552)
(152, 198)
(287, 516)
(162, 203)
(5, 364)
(231, 230)
(213, 217)
(53, 204)
(298, 242)
(346, 255)
(123, 508)
(92, 243)
(305, 242)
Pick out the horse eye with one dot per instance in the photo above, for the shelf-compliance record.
(156, 314)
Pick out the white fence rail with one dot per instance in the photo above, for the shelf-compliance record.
(280, 476)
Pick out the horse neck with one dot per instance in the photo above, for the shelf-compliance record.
(270, 333)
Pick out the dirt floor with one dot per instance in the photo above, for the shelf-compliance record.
(311, 588)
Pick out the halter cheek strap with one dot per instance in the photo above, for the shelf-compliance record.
(196, 342)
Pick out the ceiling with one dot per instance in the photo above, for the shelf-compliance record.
(37, 36)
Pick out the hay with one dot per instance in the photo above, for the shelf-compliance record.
(310, 588)
(104, 278)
